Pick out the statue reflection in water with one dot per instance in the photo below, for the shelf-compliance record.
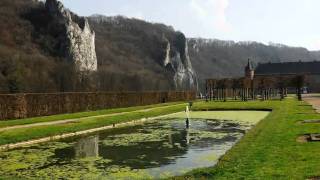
(187, 117)
(187, 124)
(87, 147)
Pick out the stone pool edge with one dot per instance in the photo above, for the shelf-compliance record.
(84, 132)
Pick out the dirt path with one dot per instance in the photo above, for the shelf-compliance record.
(313, 99)
(66, 121)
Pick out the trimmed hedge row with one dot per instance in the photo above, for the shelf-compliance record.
(16, 106)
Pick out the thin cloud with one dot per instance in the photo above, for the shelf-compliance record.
(212, 12)
(315, 45)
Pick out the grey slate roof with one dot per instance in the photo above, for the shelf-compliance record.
(288, 68)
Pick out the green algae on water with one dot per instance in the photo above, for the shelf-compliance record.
(139, 137)
(246, 117)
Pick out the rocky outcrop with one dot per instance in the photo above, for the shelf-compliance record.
(79, 46)
(156, 48)
(178, 60)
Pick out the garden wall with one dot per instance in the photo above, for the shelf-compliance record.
(16, 106)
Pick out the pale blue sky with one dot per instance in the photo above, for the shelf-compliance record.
(291, 22)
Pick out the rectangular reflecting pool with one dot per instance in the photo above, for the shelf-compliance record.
(156, 149)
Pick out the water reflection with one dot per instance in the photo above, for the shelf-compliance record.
(158, 147)
(155, 144)
(149, 154)
(87, 147)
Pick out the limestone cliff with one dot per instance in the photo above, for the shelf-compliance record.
(179, 62)
(79, 38)
(144, 47)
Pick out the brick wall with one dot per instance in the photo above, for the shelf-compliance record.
(15, 106)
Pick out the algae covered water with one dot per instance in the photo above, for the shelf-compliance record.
(156, 149)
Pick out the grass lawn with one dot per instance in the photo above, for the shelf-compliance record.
(269, 150)
(79, 115)
(24, 134)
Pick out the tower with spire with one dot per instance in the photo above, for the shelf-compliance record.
(249, 71)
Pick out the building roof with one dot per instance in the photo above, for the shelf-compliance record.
(288, 68)
(249, 66)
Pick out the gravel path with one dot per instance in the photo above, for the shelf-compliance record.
(66, 121)
(313, 99)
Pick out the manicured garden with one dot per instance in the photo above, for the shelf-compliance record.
(270, 150)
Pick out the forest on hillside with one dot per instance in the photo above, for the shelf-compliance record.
(212, 58)
(130, 54)
(29, 61)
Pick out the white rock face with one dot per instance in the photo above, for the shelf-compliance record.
(175, 51)
(79, 36)
(167, 59)
(184, 75)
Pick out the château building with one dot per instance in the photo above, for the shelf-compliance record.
(309, 70)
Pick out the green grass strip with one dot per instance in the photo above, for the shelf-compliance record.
(79, 115)
(24, 134)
